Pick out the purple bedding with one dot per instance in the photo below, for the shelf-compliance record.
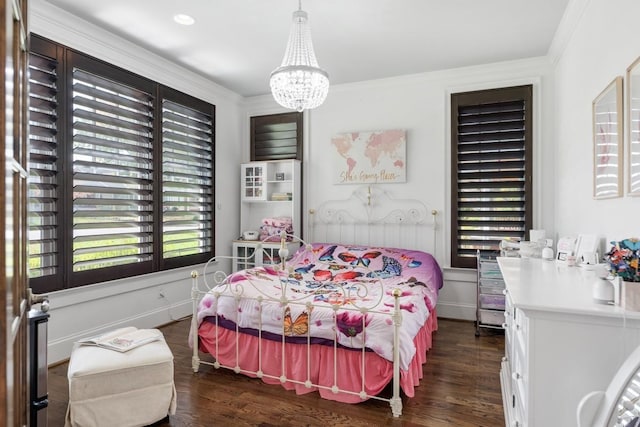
(333, 292)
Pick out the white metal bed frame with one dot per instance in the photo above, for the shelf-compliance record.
(369, 217)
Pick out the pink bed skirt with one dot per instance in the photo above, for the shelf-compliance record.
(378, 372)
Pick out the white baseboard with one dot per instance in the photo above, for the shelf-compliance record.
(456, 311)
(60, 350)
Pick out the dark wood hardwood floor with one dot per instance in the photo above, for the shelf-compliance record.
(461, 387)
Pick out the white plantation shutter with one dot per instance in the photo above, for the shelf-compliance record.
(44, 189)
(491, 170)
(112, 173)
(187, 181)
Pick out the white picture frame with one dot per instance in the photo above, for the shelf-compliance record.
(586, 243)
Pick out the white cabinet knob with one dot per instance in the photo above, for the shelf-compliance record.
(504, 292)
(516, 376)
(505, 326)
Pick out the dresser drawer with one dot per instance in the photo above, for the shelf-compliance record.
(508, 327)
(520, 328)
(519, 384)
(518, 413)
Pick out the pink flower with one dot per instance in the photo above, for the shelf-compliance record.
(351, 324)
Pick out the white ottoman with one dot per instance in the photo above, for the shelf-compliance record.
(109, 388)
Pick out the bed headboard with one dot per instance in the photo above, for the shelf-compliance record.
(372, 217)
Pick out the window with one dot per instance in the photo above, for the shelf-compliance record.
(491, 164)
(121, 178)
(276, 137)
(187, 178)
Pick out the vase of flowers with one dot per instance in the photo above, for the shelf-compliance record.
(623, 259)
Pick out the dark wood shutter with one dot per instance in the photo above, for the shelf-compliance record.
(187, 180)
(491, 178)
(121, 172)
(45, 185)
(112, 201)
(276, 137)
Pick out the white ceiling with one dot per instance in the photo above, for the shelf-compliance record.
(237, 43)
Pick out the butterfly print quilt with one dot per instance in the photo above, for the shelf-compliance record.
(335, 293)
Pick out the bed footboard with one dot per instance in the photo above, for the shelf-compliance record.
(232, 358)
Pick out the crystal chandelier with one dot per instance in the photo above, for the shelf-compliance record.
(299, 83)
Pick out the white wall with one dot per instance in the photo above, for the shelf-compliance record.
(420, 105)
(136, 301)
(596, 42)
(603, 44)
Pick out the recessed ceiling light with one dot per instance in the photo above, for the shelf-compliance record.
(183, 19)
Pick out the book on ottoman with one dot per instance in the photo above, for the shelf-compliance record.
(123, 339)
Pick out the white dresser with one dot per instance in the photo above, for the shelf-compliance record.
(559, 343)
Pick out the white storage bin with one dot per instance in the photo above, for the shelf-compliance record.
(491, 317)
(494, 283)
(489, 267)
(492, 301)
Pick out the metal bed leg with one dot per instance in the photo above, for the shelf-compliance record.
(395, 401)
(195, 359)
(396, 406)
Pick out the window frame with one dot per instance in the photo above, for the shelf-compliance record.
(65, 277)
(505, 94)
(276, 119)
(170, 94)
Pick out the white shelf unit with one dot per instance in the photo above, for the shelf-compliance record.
(261, 182)
(249, 254)
(490, 295)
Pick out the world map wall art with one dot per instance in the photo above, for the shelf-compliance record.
(372, 157)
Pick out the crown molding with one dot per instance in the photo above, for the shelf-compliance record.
(56, 24)
(570, 19)
(526, 67)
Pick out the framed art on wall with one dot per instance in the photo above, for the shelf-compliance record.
(369, 157)
(608, 149)
(633, 128)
